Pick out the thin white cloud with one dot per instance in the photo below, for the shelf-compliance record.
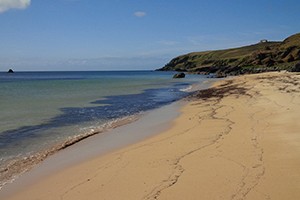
(5, 5)
(140, 14)
(167, 42)
(199, 39)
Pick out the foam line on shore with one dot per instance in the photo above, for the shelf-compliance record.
(115, 136)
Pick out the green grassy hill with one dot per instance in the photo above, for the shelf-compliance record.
(264, 56)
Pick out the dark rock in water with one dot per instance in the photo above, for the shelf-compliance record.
(179, 75)
(296, 68)
(10, 71)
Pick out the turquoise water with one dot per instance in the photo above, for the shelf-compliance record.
(39, 110)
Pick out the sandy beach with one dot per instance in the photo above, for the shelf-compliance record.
(239, 139)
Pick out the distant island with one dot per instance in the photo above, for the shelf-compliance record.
(10, 71)
(261, 57)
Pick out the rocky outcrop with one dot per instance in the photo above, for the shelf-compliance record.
(179, 75)
(10, 71)
(296, 68)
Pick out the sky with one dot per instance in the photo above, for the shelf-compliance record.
(79, 35)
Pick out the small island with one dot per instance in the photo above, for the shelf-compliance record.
(10, 71)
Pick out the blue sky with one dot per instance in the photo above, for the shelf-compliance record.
(132, 34)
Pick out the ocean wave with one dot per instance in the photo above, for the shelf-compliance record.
(187, 89)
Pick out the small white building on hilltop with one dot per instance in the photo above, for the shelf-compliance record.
(263, 41)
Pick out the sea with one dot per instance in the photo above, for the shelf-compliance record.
(44, 112)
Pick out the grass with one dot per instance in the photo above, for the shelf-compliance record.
(261, 55)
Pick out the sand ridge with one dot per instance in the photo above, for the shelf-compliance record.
(237, 140)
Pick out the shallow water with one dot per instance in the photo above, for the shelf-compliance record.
(41, 110)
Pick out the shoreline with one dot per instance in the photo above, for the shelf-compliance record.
(18, 166)
(236, 140)
(97, 145)
(14, 168)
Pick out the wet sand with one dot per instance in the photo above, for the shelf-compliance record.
(237, 140)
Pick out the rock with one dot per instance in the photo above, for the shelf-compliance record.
(179, 75)
(10, 71)
(268, 62)
(220, 75)
(296, 68)
(203, 73)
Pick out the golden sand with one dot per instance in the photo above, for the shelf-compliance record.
(238, 140)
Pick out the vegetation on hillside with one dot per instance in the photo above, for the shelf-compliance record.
(264, 56)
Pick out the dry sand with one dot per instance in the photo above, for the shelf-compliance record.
(237, 140)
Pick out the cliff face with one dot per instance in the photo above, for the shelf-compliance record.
(264, 56)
